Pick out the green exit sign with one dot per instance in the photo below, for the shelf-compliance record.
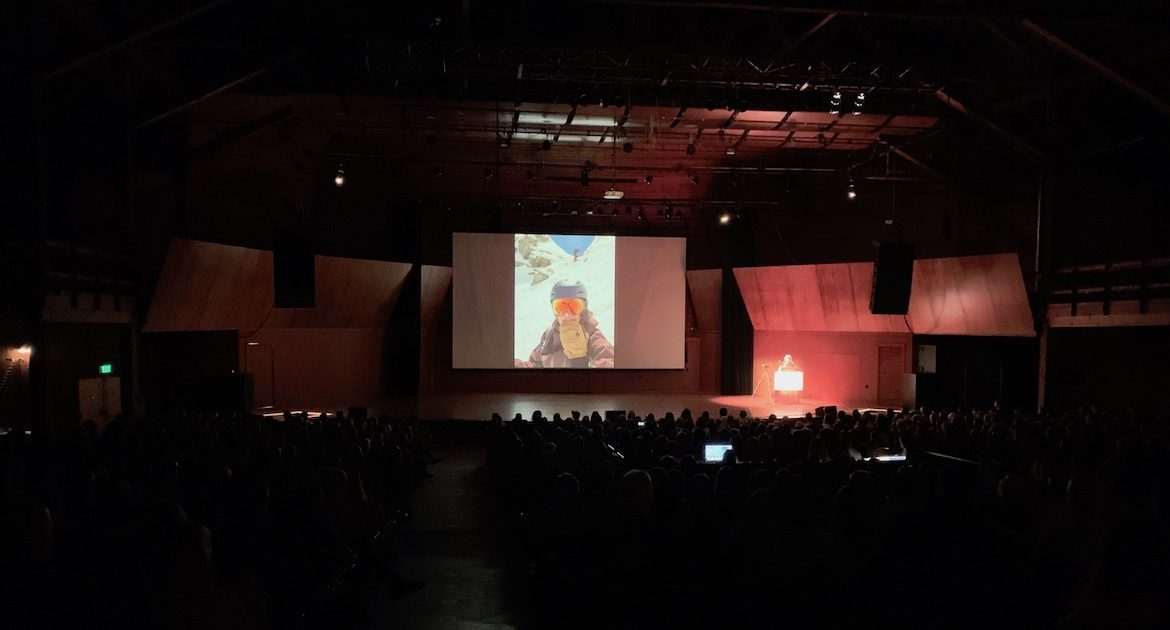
(106, 368)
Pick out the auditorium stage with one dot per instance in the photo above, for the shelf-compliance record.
(481, 406)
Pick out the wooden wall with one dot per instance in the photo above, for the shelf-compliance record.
(328, 356)
(209, 286)
(970, 295)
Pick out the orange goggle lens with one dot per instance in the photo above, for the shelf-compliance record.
(564, 306)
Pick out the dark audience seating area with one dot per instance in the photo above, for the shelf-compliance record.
(994, 520)
(204, 522)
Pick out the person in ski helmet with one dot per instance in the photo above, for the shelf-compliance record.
(573, 340)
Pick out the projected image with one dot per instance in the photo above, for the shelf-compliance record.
(564, 301)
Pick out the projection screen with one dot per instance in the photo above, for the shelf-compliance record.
(576, 301)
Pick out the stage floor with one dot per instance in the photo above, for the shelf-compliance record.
(481, 406)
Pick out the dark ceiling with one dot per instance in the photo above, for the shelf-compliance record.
(986, 96)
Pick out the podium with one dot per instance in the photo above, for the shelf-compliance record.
(788, 384)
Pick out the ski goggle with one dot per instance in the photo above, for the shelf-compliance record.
(564, 306)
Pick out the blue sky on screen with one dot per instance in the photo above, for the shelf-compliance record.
(569, 242)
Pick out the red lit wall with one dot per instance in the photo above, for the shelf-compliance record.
(839, 368)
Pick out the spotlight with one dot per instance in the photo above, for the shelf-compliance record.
(669, 212)
(835, 103)
(641, 215)
(530, 174)
(649, 179)
(546, 145)
(505, 141)
(691, 149)
(339, 178)
(613, 194)
(852, 194)
(436, 172)
(589, 211)
(858, 103)
(725, 218)
(694, 180)
(26, 349)
(730, 149)
(488, 173)
(628, 147)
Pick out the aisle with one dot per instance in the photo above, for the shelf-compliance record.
(455, 544)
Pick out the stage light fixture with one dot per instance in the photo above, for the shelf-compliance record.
(339, 178)
(505, 141)
(641, 215)
(858, 103)
(694, 180)
(589, 211)
(613, 194)
(852, 194)
(691, 149)
(725, 218)
(436, 172)
(546, 145)
(730, 150)
(649, 179)
(530, 174)
(628, 147)
(835, 103)
(668, 211)
(629, 210)
(488, 173)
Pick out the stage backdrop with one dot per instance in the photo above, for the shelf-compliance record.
(820, 315)
(324, 356)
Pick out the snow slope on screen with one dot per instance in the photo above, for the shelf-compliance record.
(594, 267)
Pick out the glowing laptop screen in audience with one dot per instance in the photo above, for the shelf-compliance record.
(713, 453)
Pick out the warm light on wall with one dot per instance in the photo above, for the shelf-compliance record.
(24, 349)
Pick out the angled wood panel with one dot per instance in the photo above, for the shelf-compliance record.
(436, 284)
(818, 298)
(209, 286)
(705, 287)
(970, 295)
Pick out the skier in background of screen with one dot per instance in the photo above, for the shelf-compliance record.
(573, 340)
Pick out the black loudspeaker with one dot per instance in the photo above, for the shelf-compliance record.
(294, 277)
(893, 271)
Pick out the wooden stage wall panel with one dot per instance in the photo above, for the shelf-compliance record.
(817, 298)
(436, 287)
(209, 286)
(970, 295)
(705, 290)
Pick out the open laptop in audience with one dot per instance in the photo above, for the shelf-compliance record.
(713, 452)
